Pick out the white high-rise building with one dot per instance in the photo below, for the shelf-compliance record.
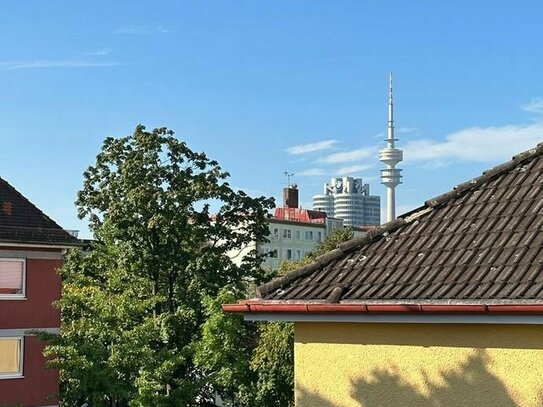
(349, 199)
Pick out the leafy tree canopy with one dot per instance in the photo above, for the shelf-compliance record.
(134, 305)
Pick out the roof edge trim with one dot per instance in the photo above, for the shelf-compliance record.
(45, 245)
(386, 308)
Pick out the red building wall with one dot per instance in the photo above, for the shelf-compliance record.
(42, 288)
(39, 385)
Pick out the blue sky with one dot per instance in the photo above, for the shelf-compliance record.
(246, 81)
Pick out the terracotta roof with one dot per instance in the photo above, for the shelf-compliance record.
(22, 222)
(481, 243)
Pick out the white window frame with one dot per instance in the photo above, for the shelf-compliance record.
(21, 296)
(18, 374)
(287, 233)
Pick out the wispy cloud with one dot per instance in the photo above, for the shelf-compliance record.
(478, 144)
(534, 106)
(143, 29)
(406, 129)
(101, 52)
(311, 172)
(311, 147)
(351, 169)
(349, 156)
(249, 191)
(55, 63)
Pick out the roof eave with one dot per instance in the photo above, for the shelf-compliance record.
(40, 244)
(437, 307)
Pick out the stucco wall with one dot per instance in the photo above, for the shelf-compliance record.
(422, 365)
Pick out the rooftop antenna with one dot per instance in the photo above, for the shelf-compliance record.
(289, 176)
(391, 156)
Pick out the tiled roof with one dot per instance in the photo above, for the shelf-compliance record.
(22, 222)
(481, 242)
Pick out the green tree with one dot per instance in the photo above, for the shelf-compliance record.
(134, 305)
(254, 366)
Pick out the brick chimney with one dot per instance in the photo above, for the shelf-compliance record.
(290, 197)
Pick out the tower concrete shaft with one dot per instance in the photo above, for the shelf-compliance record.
(391, 156)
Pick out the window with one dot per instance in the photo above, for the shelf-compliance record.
(12, 278)
(298, 235)
(319, 236)
(276, 232)
(288, 254)
(297, 254)
(287, 234)
(274, 254)
(309, 235)
(11, 357)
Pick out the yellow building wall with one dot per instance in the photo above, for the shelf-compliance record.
(422, 365)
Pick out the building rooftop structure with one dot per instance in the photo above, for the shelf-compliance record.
(294, 232)
(300, 215)
(477, 248)
(22, 221)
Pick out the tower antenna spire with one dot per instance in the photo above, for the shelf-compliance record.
(391, 156)
(390, 135)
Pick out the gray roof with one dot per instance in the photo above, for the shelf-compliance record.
(481, 241)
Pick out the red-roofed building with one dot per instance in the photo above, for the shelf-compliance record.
(31, 250)
(294, 232)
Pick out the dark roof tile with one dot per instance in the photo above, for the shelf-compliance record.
(22, 222)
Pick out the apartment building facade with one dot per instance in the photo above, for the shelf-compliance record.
(31, 250)
(294, 232)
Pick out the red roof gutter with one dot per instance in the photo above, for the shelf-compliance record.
(374, 308)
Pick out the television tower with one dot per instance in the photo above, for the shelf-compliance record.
(391, 156)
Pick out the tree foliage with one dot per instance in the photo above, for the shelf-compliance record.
(133, 307)
(264, 355)
(332, 241)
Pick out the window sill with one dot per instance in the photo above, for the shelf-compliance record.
(13, 298)
(9, 377)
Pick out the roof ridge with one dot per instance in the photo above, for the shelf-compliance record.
(402, 220)
(484, 177)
